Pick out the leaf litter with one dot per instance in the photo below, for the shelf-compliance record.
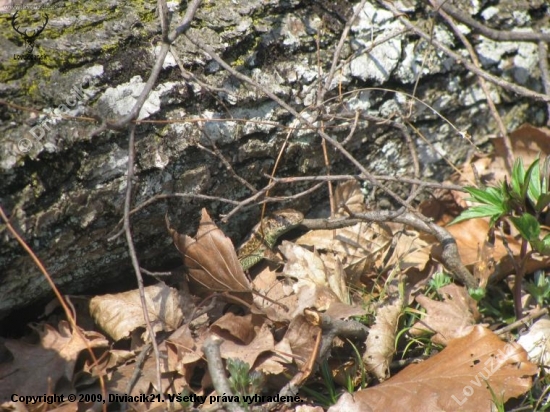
(375, 273)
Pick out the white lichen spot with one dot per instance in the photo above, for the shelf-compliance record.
(379, 63)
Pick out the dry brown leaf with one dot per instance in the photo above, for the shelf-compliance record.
(349, 194)
(381, 340)
(36, 369)
(453, 380)
(282, 292)
(275, 363)
(485, 264)
(259, 338)
(410, 252)
(527, 142)
(183, 350)
(450, 319)
(339, 310)
(537, 341)
(240, 328)
(301, 336)
(358, 247)
(211, 260)
(267, 284)
(471, 234)
(308, 270)
(120, 314)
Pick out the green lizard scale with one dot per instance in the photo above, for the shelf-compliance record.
(265, 234)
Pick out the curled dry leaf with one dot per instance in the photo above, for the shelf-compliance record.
(410, 251)
(120, 314)
(450, 319)
(456, 379)
(210, 258)
(267, 284)
(36, 368)
(184, 351)
(290, 300)
(381, 340)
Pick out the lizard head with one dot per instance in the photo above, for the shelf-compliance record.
(284, 220)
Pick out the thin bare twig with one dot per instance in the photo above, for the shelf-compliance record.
(493, 34)
(545, 73)
(68, 312)
(211, 349)
(133, 255)
(123, 121)
(468, 65)
(216, 152)
(523, 321)
(494, 112)
(343, 178)
(338, 51)
(278, 199)
(164, 196)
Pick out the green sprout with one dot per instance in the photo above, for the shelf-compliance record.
(521, 202)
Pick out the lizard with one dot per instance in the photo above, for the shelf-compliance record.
(264, 235)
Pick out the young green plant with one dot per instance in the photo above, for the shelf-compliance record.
(521, 202)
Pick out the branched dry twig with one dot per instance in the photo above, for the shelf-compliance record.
(449, 256)
(271, 199)
(332, 328)
(523, 321)
(343, 178)
(338, 51)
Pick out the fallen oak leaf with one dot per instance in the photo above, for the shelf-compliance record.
(459, 378)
